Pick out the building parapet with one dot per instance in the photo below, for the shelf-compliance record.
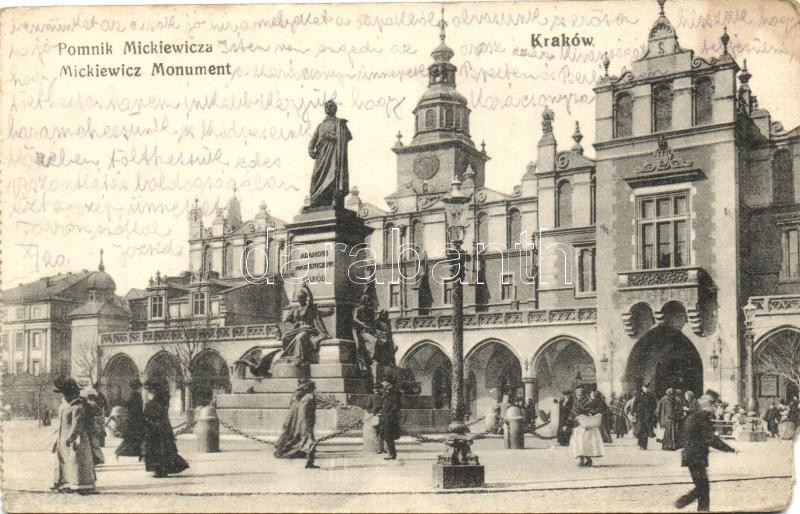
(497, 319)
(778, 304)
(171, 335)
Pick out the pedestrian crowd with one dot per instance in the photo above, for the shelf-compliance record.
(80, 435)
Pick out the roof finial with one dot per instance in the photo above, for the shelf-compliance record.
(483, 146)
(745, 75)
(606, 62)
(442, 25)
(101, 267)
(661, 6)
(577, 137)
(399, 139)
(725, 38)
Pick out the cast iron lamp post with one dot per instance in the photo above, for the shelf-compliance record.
(749, 316)
(457, 466)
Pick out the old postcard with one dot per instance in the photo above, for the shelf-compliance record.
(453, 257)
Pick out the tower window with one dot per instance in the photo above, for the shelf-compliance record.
(207, 259)
(418, 234)
(586, 279)
(483, 228)
(703, 100)
(564, 204)
(593, 201)
(448, 116)
(430, 119)
(790, 263)
(662, 107)
(663, 231)
(199, 304)
(156, 307)
(623, 115)
(229, 262)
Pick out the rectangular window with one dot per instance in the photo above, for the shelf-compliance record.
(447, 298)
(18, 367)
(19, 341)
(586, 278)
(394, 295)
(156, 307)
(507, 289)
(663, 231)
(36, 344)
(36, 368)
(199, 304)
(20, 312)
(791, 254)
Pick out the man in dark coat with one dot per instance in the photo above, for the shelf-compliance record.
(373, 407)
(698, 436)
(133, 429)
(389, 425)
(644, 408)
(565, 405)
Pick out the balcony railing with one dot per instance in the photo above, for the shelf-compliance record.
(172, 335)
(497, 319)
(778, 304)
(673, 277)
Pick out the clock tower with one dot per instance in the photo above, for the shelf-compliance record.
(441, 147)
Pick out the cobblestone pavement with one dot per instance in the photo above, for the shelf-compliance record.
(245, 477)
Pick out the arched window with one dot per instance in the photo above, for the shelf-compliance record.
(593, 201)
(418, 234)
(249, 259)
(229, 260)
(483, 228)
(391, 242)
(513, 228)
(280, 258)
(703, 100)
(208, 263)
(430, 119)
(448, 116)
(623, 115)
(782, 178)
(564, 204)
(662, 107)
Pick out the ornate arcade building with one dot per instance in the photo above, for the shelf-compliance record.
(697, 225)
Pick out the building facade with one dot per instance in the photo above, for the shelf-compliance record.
(682, 275)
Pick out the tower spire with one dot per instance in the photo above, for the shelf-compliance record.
(442, 25)
(101, 267)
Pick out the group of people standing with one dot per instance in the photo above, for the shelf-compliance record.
(147, 434)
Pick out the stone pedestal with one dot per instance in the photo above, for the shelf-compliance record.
(448, 476)
(325, 244)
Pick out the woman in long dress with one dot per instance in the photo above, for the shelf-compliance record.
(586, 442)
(133, 431)
(667, 418)
(297, 440)
(73, 448)
(160, 452)
(301, 342)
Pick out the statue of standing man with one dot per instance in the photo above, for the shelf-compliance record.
(328, 148)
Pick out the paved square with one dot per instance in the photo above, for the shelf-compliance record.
(245, 476)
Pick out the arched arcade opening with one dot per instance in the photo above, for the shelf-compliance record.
(775, 363)
(666, 358)
(210, 377)
(562, 364)
(492, 371)
(164, 366)
(119, 373)
(431, 368)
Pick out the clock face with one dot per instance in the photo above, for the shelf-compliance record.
(426, 166)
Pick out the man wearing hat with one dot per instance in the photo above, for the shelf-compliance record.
(698, 434)
(644, 409)
(73, 448)
(389, 412)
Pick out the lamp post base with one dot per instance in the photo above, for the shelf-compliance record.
(450, 476)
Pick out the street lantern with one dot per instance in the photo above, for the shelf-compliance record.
(749, 312)
(455, 203)
(604, 362)
(714, 359)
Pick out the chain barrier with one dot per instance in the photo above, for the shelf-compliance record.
(539, 436)
(245, 435)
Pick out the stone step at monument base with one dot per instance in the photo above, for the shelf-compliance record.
(265, 421)
(289, 385)
(281, 400)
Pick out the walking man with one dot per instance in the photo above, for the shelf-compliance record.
(73, 448)
(698, 436)
(389, 424)
(644, 409)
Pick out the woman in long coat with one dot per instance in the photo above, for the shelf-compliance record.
(389, 424)
(160, 452)
(133, 430)
(297, 440)
(586, 441)
(667, 418)
(75, 469)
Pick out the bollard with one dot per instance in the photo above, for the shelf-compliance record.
(515, 418)
(206, 430)
(490, 420)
